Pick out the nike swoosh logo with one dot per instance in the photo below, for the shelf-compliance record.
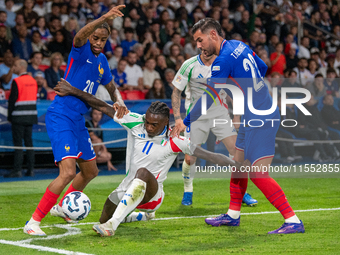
(88, 61)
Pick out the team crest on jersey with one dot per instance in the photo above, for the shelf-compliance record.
(100, 69)
(216, 68)
(67, 148)
(164, 142)
(178, 79)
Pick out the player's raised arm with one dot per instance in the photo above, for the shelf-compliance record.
(64, 88)
(81, 37)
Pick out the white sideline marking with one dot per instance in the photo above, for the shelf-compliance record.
(74, 231)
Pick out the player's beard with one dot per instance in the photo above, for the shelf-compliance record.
(209, 52)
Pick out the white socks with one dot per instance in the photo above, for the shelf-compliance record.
(188, 187)
(138, 216)
(233, 214)
(293, 219)
(131, 199)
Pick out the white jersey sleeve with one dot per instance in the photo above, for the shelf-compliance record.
(182, 144)
(183, 75)
(129, 120)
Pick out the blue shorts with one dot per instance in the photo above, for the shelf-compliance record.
(257, 143)
(69, 137)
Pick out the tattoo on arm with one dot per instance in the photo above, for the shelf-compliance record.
(176, 103)
(81, 37)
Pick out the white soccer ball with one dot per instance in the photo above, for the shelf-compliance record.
(76, 205)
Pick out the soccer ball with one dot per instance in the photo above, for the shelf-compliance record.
(76, 205)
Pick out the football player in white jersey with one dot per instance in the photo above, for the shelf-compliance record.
(150, 154)
(192, 77)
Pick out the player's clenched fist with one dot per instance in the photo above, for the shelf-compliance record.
(114, 12)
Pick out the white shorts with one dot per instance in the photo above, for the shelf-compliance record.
(199, 130)
(151, 206)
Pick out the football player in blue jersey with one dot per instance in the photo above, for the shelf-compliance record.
(87, 67)
(238, 66)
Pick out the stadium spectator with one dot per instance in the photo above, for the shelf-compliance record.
(161, 66)
(74, 11)
(103, 156)
(6, 71)
(22, 114)
(171, 60)
(72, 26)
(166, 32)
(291, 58)
(117, 55)
(30, 16)
(278, 59)
(274, 40)
(169, 77)
(304, 76)
(40, 7)
(38, 45)
(60, 44)
(128, 43)
(4, 43)
(157, 91)
(242, 26)
(165, 5)
(332, 87)
(329, 113)
(149, 73)
(54, 73)
(155, 32)
(312, 67)
(303, 48)
(22, 45)
(175, 39)
(40, 26)
(134, 73)
(35, 62)
(253, 40)
(139, 49)
(42, 85)
(337, 58)
(317, 88)
(144, 23)
(55, 26)
(114, 39)
(19, 21)
(3, 21)
(55, 12)
(190, 49)
(119, 75)
(275, 82)
(10, 14)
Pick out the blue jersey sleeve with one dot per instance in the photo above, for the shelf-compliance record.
(220, 73)
(261, 65)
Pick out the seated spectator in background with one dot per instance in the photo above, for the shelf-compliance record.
(263, 42)
(38, 45)
(157, 91)
(161, 66)
(291, 58)
(190, 49)
(322, 58)
(35, 62)
(166, 32)
(330, 115)
(241, 27)
(40, 26)
(274, 40)
(10, 14)
(253, 40)
(171, 60)
(30, 16)
(55, 12)
(59, 44)
(149, 73)
(19, 21)
(54, 73)
(139, 49)
(72, 26)
(56, 26)
(303, 48)
(313, 68)
(74, 11)
(4, 43)
(6, 71)
(119, 75)
(317, 88)
(315, 54)
(337, 59)
(22, 45)
(145, 22)
(175, 39)
(169, 77)
(128, 43)
(303, 75)
(39, 76)
(332, 87)
(3, 20)
(275, 82)
(103, 156)
(278, 60)
(117, 55)
(134, 73)
(114, 39)
(262, 53)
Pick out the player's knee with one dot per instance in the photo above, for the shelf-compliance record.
(68, 176)
(92, 174)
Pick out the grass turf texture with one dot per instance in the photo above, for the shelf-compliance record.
(190, 235)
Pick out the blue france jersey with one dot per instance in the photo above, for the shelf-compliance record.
(239, 66)
(85, 71)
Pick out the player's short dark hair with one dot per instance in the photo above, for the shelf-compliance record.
(106, 26)
(206, 24)
(161, 108)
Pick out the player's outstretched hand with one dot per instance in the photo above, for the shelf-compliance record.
(63, 88)
(120, 109)
(178, 128)
(114, 12)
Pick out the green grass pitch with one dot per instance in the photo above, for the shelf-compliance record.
(183, 235)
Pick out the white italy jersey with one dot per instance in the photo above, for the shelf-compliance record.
(193, 75)
(156, 154)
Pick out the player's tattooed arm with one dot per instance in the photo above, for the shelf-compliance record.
(176, 103)
(81, 37)
(117, 98)
(64, 88)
